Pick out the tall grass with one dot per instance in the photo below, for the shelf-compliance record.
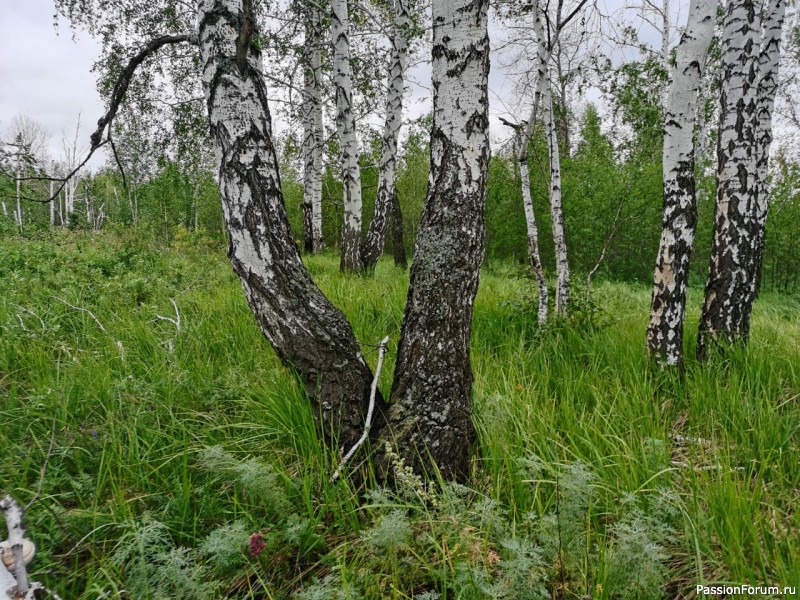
(164, 450)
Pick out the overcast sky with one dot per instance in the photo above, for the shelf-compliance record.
(45, 73)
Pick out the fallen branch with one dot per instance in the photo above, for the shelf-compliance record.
(96, 320)
(368, 422)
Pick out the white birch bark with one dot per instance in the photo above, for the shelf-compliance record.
(728, 295)
(308, 333)
(671, 278)
(387, 173)
(430, 414)
(530, 224)
(313, 131)
(544, 99)
(348, 142)
(18, 212)
(774, 13)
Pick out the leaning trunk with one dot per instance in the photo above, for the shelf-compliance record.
(430, 416)
(308, 333)
(348, 143)
(767, 89)
(530, 221)
(373, 245)
(730, 287)
(668, 306)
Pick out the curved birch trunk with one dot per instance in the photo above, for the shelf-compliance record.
(530, 222)
(774, 12)
(430, 417)
(312, 134)
(679, 223)
(348, 143)
(729, 290)
(308, 333)
(387, 174)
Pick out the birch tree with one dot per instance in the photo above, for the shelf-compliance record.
(348, 142)
(386, 201)
(731, 286)
(430, 414)
(668, 306)
(313, 131)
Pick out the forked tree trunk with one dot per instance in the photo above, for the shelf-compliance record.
(348, 143)
(774, 12)
(668, 306)
(308, 333)
(729, 290)
(430, 417)
(387, 173)
(313, 134)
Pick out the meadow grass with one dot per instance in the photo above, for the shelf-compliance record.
(594, 476)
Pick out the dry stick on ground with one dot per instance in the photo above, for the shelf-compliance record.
(96, 320)
(368, 422)
(176, 321)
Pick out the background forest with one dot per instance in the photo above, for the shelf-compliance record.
(161, 449)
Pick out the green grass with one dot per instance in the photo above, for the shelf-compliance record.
(163, 462)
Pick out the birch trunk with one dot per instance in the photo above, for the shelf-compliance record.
(348, 143)
(373, 245)
(774, 12)
(530, 221)
(679, 223)
(729, 290)
(313, 134)
(18, 212)
(308, 333)
(431, 409)
(556, 211)
(398, 237)
(543, 98)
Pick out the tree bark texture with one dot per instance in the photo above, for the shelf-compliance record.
(313, 134)
(679, 223)
(774, 12)
(348, 143)
(309, 334)
(387, 173)
(730, 288)
(430, 418)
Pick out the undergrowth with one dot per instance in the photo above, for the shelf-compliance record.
(185, 463)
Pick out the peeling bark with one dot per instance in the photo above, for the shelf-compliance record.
(730, 289)
(679, 223)
(313, 134)
(308, 333)
(348, 143)
(430, 418)
(387, 173)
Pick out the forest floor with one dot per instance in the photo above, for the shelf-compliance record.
(161, 449)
